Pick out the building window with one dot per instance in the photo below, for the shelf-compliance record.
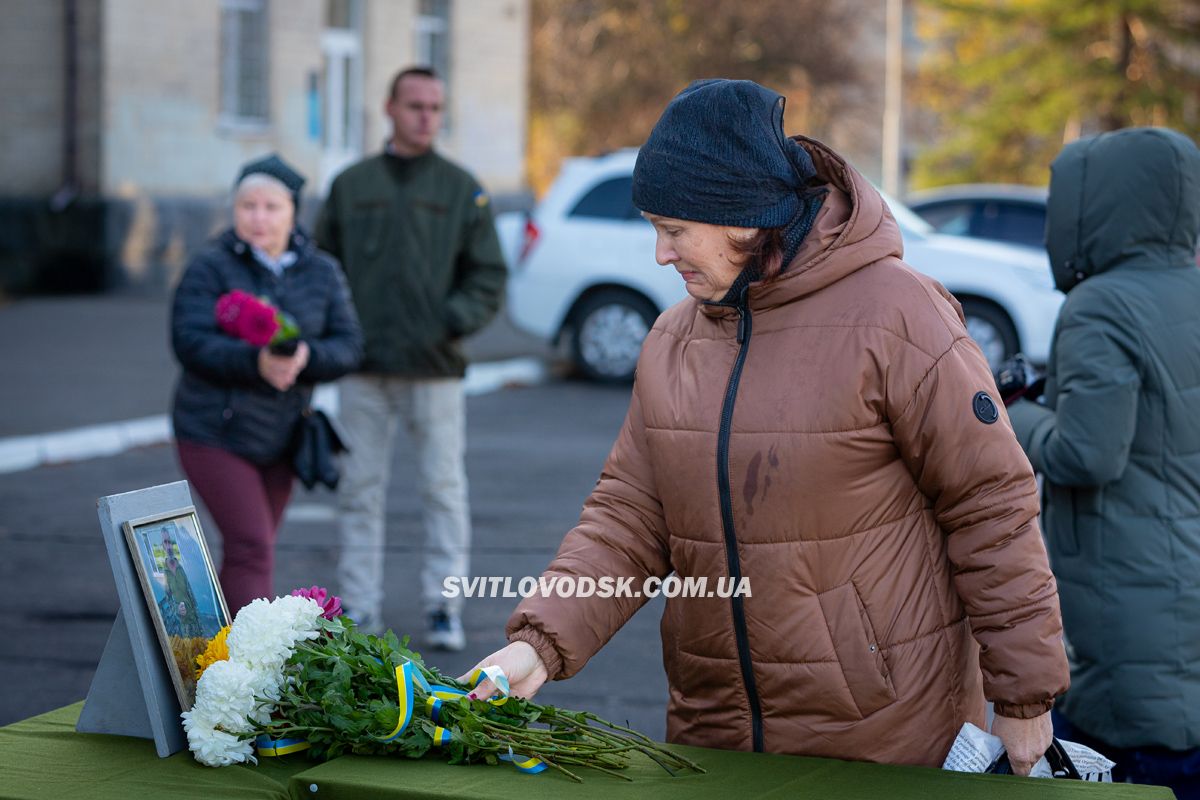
(244, 58)
(433, 42)
(342, 14)
(341, 46)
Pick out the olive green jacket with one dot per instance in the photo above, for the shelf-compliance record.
(1118, 440)
(416, 239)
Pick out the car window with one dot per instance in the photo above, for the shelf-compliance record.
(909, 222)
(1020, 223)
(951, 218)
(610, 199)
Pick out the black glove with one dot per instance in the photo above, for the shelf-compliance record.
(1016, 379)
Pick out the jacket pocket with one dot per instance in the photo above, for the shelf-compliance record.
(858, 651)
(369, 226)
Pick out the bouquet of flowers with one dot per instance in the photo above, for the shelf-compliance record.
(254, 320)
(297, 675)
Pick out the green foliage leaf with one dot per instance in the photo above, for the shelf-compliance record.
(342, 696)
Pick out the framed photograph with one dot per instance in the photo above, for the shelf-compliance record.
(181, 589)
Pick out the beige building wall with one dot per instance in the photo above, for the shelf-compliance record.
(33, 97)
(389, 45)
(162, 129)
(490, 78)
(487, 90)
(31, 92)
(148, 105)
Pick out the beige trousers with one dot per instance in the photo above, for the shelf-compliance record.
(434, 415)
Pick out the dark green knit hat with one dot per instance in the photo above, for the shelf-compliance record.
(278, 169)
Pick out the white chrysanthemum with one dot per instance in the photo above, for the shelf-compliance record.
(225, 695)
(266, 631)
(233, 695)
(213, 747)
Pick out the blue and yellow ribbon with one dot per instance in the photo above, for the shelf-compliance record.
(434, 707)
(497, 677)
(409, 677)
(404, 695)
(269, 748)
(528, 765)
(419, 680)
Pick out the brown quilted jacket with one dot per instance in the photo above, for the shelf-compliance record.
(880, 521)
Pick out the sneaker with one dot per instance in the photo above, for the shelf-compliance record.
(446, 631)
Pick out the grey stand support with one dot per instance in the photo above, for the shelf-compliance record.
(131, 692)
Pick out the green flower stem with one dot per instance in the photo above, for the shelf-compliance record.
(345, 682)
(278, 729)
(563, 770)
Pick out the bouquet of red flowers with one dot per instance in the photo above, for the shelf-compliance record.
(254, 320)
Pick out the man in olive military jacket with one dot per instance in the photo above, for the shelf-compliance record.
(415, 235)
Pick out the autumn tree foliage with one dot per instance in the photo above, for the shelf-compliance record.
(1005, 83)
(602, 70)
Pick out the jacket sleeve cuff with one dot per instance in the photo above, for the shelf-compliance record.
(545, 649)
(1023, 710)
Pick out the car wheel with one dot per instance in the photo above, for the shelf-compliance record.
(607, 332)
(992, 330)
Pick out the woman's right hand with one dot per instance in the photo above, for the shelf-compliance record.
(282, 371)
(522, 666)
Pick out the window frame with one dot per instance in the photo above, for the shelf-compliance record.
(426, 28)
(231, 68)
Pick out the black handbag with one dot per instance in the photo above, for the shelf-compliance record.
(1060, 763)
(315, 447)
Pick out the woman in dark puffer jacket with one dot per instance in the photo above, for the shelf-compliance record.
(236, 405)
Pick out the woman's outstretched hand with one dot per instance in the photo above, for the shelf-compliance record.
(522, 666)
(1025, 740)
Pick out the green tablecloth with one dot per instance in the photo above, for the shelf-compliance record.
(43, 757)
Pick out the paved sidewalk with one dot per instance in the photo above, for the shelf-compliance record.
(67, 363)
(93, 376)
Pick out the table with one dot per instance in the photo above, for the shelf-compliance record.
(43, 757)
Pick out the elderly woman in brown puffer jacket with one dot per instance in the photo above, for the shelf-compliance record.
(814, 419)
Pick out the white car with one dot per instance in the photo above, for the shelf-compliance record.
(583, 268)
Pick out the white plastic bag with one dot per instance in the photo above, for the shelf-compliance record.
(975, 750)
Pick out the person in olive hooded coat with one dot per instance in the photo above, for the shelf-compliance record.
(1118, 441)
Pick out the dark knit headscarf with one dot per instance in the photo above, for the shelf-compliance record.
(718, 154)
(280, 170)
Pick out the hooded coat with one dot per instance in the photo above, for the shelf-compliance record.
(1118, 439)
(830, 438)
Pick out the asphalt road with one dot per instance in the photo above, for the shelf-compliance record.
(73, 361)
(533, 455)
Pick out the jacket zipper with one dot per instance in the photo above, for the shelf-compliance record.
(731, 552)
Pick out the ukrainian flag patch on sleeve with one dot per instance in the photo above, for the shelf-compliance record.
(481, 198)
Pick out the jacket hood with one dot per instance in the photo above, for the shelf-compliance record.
(853, 229)
(1126, 198)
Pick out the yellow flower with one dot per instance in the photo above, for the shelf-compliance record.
(216, 651)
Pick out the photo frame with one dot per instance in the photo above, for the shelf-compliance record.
(181, 590)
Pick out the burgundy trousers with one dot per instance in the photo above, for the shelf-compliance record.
(247, 503)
